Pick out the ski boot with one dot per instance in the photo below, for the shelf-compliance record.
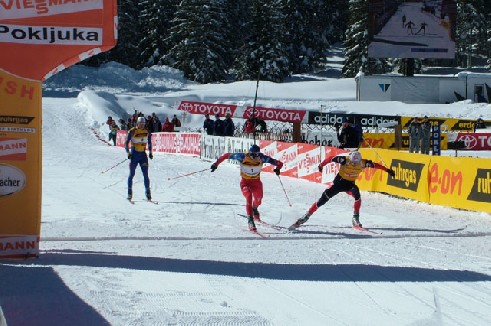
(300, 221)
(148, 194)
(252, 225)
(356, 220)
(256, 215)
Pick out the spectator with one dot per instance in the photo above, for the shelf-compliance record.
(425, 135)
(219, 126)
(177, 123)
(109, 122)
(262, 125)
(229, 126)
(479, 124)
(157, 125)
(348, 138)
(123, 124)
(149, 124)
(249, 125)
(208, 125)
(114, 132)
(414, 132)
(167, 126)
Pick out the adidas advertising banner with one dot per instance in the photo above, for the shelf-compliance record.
(37, 39)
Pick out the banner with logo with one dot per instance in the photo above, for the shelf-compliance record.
(37, 39)
(20, 166)
(460, 182)
(275, 114)
(40, 38)
(207, 108)
(470, 141)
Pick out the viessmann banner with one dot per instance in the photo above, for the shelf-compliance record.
(37, 39)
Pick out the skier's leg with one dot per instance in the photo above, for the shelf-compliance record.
(132, 165)
(247, 193)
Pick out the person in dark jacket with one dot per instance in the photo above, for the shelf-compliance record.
(219, 126)
(208, 125)
(229, 126)
(348, 137)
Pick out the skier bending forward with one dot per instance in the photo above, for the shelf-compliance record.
(250, 169)
(351, 167)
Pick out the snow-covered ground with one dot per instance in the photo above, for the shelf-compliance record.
(190, 260)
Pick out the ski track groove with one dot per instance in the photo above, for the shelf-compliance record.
(445, 285)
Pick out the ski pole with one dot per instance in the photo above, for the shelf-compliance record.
(288, 199)
(187, 174)
(380, 158)
(115, 165)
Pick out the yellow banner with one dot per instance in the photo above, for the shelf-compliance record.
(411, 170)
(20, 166)
(461, 182)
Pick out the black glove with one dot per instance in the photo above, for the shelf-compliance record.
(129, 156)
(391, 172)
(369, 164)
(320, 168)
(151, 156)
(213, 167)
(277, 171)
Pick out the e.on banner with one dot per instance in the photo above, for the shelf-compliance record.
(37, 39)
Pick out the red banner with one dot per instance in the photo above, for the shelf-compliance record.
(475, 141)
(207, 108)
(275, 114)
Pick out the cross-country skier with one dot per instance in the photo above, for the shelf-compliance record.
(351, 166)
(250, 169)
(139, 137)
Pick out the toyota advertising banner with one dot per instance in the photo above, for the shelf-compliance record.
(37, 40)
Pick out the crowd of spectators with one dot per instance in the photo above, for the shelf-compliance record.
(219, 127)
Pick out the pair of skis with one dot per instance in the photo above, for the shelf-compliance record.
(133, 201)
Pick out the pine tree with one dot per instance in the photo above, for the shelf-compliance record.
(155, 18)
(265, 52)
(198, 47)
(126, 50)
(356, 44)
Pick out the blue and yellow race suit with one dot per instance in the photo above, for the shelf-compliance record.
(139, 139)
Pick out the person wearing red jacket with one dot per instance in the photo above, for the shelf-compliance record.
(250, 170)
(167, 126)
(351, 167)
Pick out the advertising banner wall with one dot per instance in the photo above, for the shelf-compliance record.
(207, 108)
(20, 166)
(448, 181)
(37, 40)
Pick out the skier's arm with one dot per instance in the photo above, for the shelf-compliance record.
(370, 164)
(150, 152)
(127, 143)
(272, 161)
(235, 156)
(327, 160)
